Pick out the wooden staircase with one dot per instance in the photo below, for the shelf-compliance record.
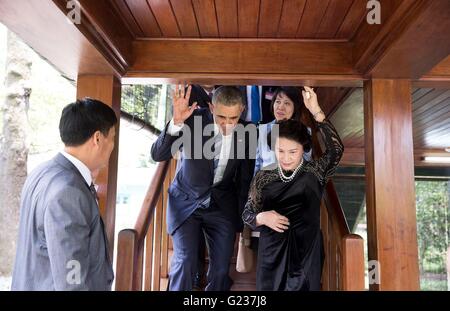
(144, 251)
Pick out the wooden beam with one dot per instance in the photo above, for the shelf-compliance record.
(441, 70)
(412, 39)
(243, 59)
(108, 90)
(105, 29)
(44, 27)
(390, 192)
(247, 79)
(438, 77)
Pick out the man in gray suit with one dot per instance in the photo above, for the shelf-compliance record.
(62, 243)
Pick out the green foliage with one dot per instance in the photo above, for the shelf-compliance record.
(142, 101)
(432, 207)
(433, 285)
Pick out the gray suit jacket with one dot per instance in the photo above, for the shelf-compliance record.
(62, 243)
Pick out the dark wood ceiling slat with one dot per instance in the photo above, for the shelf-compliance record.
(441, 130)
(144, 17)
(205, 12)
(125, 12)
(333, 18)
(419, 93)
(431, 120)
(422, 104)
(355, 16)
(432, 139)
(248, 11)
(163, 12)
(290, 18)
(227, 18)
(269, 19)
(184, 14)
(285, 19)
(432, 115)
(312, 17)
(433, 105)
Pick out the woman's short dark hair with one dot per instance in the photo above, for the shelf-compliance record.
(293, 130)
(81, 119)
(293, 93)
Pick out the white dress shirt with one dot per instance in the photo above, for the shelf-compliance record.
(82, 168)
(224, 143)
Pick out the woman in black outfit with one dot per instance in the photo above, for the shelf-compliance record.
(285, 202)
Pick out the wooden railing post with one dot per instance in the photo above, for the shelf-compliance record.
(352, 263)
(126, 250)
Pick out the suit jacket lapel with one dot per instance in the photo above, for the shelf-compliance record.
(210, 120)
(62, 160)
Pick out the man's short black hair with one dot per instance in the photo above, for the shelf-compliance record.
(228, 95)
(81, 119)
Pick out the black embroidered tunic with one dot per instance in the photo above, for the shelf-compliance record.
(292, 260)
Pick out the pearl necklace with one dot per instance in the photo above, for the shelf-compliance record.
(286, 179)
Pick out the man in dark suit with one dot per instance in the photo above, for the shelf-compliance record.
(209, 191)
(202, 95)
(264, 102)
(62, 243)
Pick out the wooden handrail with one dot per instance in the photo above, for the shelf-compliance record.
(335, 210)
(151, 198)
(130, 256)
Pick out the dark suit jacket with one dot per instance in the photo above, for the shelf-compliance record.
(266, 110)
(199, 95)
(194, 179)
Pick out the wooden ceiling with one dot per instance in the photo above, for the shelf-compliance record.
(302, 19)
(431, 119)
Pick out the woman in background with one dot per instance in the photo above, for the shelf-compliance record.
(286, 104)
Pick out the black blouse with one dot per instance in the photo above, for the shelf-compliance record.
(322, 169)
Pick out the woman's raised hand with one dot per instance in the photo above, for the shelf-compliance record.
(273, 220)
(181, 109)
(312, 104)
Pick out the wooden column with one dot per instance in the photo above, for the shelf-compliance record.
(391, 212)
(106, 88)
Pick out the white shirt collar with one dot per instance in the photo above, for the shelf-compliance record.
(82, 168)
(217, 132)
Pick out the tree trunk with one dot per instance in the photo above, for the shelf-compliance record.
(13, 147)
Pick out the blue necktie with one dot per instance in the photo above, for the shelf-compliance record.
(256, 109)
